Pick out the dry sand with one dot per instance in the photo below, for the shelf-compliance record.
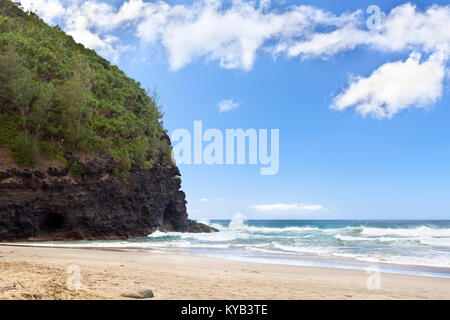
(40, 273)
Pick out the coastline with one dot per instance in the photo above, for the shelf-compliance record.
(40, 273)
(280, 259)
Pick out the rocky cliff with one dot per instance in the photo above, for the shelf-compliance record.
(99, 203)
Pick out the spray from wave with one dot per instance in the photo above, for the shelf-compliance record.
(238, 222)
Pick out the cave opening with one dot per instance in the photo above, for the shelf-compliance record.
(53, 221)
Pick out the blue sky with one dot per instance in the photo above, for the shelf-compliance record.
(354, 139)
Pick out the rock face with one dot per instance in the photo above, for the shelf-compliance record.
(52, 204)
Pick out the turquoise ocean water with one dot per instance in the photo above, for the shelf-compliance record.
(419, 247)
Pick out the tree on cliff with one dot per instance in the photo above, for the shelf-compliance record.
(74, 104)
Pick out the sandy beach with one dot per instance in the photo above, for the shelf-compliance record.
(41, 273)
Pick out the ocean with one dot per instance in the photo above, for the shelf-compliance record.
(419, 247)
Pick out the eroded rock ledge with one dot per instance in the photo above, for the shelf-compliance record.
(52, 204)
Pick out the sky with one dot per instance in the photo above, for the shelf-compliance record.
(360, 97)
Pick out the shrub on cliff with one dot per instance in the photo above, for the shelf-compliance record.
(25, 151)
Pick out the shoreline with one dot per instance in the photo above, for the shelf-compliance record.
(288, 260)
(40, 273)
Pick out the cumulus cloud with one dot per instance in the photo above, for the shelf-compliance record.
(395, 86)
(227, 105)
(234, 34)
(408, 27)
(294, 207)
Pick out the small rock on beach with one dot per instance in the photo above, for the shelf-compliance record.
(141, 294)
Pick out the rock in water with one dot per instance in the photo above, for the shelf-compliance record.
(142, 294)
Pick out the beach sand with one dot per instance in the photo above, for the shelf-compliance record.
(40, 273)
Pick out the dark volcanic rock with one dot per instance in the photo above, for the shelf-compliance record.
(55, 172)
(53, 205)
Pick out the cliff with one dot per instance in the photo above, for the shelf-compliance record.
(51, 204)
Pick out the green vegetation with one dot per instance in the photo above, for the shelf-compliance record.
(75, 169)
(56, 96)
(115, 172)
(25, 151)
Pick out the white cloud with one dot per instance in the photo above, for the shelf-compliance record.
(404, 28)
(211, 200)
(48, 10)
(231, 36)
(407, 27)
(295, 207)
(129, 11)
(227, 105)
(395, 86)
(327, 45)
